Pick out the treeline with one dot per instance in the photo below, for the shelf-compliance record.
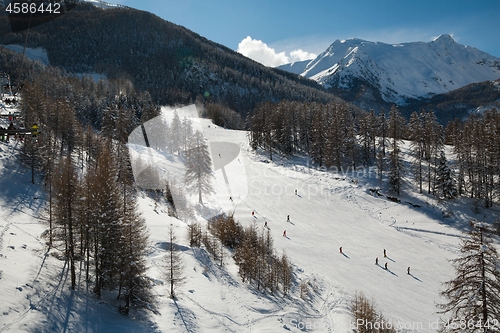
(458, 103)
(476, 143)
(172, 63)
(253, 252)
(338, 137)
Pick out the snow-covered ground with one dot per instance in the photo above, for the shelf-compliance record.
(38, 53)
(329, 211)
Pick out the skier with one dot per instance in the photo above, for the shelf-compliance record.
(220, 156)
(340, 249)
(253, 213)
(231, 199)
(295, 192)
(284, 233)
(376, 261)
(385, 266)
(408, 270)
(265, 225)
(385, 254)
(288, 218)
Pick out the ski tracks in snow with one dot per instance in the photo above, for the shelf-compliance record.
(419, 233)
(242, 316)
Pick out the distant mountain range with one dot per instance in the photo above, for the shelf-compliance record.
(367, 72)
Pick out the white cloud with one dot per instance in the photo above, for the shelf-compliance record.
(299, 55)
(261, 52)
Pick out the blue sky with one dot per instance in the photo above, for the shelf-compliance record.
(278, 30)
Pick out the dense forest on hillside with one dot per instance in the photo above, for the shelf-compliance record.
(458, 103)
(92, 216)
(172, 63)
(455, 104)
(90, 100)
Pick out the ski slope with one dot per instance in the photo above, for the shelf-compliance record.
(329, 211)
(333, 210)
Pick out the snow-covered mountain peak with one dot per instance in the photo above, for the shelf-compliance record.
(400, 71)
(444, 38)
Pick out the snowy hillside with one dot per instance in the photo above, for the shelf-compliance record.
(328, 211)
(401, 71)
(104, 4)
(39, 54)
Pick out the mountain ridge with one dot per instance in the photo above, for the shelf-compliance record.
(413, 70)
(174, 64)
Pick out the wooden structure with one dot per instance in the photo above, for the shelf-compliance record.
(34, 130)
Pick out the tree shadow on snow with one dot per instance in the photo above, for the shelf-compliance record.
(166, 245)
(17, 190)
(66, 310)
(187, 317)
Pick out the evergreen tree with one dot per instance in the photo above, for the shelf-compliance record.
(65, 198)
(416, 137)
(474, 294)
(194, 234)
(257, 125)
(175, 134)
(396, 130)
(433, 135)
(198, 167)
(367, 135)
(132, 256)
(284, 124)
(107, 219)
(445, 182)
(174, 270)
(382, 131)
(186, 133)
(382, 143)
(286, 276)
(318, 137)
(31, 155)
